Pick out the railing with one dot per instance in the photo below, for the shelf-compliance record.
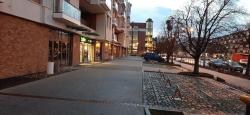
(115, 6)
(61, 6)
(115, 37)
(114, 21)
(107, 2)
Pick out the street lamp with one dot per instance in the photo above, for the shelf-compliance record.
(132, 38)
(169, 23)
(248, 41)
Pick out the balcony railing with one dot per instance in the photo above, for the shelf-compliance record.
(61, 6)
(115, 7)
(104, 5)
(114, 22)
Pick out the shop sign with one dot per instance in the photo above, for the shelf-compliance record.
(83, 39)
(86, 40)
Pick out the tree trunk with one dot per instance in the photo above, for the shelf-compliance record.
(168, 58)
(248, 65)
(196, 65)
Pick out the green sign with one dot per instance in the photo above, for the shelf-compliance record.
(86, 40)
(83, 39)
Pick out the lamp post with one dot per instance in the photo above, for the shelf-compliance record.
(169, 23)
(248, 61)
(132, 38)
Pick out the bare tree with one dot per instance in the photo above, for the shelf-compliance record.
(167, 40)
(201, 20)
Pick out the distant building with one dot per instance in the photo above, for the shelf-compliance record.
(149, 45)
(141, 37)
(235, 43)
(137, 34)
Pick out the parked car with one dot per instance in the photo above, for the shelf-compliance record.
(164, 56)
(217, 63)
(232, 66)
(153, 56)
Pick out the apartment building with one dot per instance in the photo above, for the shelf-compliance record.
(141, 37)
(137, 37)
(120, 21)
(236, 45)
(39, 35)
(149, 42)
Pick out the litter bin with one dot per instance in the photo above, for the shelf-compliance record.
(50, 68)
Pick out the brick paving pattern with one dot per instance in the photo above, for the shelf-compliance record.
(199, 96)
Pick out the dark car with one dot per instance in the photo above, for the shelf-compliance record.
(217, 63)
(153, 57)
(233, 66)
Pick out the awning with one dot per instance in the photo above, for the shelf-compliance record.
(78, 28)
(91, 33)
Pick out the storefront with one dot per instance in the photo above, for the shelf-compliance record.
(98, 51)
(60, 50)
(87, 50)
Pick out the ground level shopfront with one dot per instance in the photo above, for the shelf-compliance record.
(27, 47)
(90, 50)
(118, 51)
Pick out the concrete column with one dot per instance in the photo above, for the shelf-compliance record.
(103, 51)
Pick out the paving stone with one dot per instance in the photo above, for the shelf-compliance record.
(198, 95)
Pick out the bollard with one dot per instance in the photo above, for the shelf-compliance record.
(246, 100)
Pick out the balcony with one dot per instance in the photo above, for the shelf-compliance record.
(114, 22)
(115, 7)
(66, 13)
(115, 39)
(101, 5)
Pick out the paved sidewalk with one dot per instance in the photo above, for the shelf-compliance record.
(111, 88)
(199, 96)
(233, 80)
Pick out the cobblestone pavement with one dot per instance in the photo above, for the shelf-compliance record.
(198, 95)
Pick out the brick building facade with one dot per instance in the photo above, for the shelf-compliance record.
(34, 33)
(137, 34)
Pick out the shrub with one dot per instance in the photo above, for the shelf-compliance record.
(220, 80)
(199, 75)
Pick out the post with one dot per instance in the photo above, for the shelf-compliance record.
(204, 59)
(132, 38)
(246, 100)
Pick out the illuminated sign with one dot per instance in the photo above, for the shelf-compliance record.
(83, 39)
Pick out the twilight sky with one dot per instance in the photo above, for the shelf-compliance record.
(159, 10)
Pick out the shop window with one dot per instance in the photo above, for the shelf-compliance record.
(60, 49)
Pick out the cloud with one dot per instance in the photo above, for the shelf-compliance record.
(245, 4)
(149, 4)
(158, 14)
(159, 10)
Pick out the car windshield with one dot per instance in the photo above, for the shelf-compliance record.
(218, 61)
(235, 64)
